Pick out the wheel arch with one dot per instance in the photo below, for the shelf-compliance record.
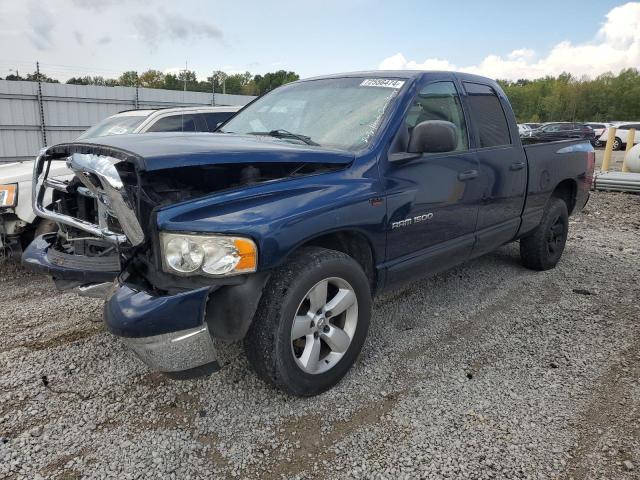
(351, 242)
(567, 190)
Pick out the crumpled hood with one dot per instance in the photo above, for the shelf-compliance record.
(158, 151)
(23, 171)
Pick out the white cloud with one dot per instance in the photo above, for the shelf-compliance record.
(615, 46)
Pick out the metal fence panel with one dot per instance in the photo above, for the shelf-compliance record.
(71, 109)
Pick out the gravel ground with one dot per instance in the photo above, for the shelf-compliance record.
(486, 371)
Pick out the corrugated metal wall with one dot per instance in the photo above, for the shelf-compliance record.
(69, 110)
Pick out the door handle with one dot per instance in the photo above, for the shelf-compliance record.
(468, 175)
(517, 166)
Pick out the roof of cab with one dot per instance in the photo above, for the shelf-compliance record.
(406, 74)
(199, 108)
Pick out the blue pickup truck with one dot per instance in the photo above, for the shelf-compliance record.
(280, 228)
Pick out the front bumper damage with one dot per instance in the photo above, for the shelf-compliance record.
(168, 333)
(90, 276)
(176, 332)
(169, 323)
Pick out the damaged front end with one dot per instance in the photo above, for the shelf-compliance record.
(108, 245)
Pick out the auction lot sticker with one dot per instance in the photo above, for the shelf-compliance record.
(382, 82)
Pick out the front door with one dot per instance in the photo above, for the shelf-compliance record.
(432, 201)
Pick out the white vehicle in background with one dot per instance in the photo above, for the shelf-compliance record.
(622, 133)
(598, 128)
(19, 225)
(524, 129)
(179, 119)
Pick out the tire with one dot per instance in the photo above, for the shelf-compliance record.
(293, 292)
(617, 144)
(542, 249)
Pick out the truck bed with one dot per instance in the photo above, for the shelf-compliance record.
(548, 165)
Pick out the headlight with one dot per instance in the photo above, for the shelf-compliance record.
(8, 195)
(213, 255)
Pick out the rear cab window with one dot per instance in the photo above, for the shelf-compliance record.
(488, 115)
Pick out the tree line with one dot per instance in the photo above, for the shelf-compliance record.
(607, 97)
(219, 81)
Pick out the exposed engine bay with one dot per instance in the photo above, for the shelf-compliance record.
(147, 191)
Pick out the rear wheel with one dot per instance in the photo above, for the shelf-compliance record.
(311, 323)
(542, 249)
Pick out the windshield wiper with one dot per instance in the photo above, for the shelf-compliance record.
(282, 133)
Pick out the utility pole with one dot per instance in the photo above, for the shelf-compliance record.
(185, 76)
(213, 88)
(43, 130)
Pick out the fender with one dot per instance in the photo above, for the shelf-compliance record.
(283, 215)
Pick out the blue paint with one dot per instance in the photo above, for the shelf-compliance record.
(364, 195)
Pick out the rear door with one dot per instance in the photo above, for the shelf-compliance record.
(432, 200)
(502, 163)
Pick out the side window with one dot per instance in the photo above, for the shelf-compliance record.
(488, 115)
(624, 127)
(175, 123)
(439, 101)
(214, 118)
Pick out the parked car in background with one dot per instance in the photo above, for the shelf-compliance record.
(523, 129)
(622, 134)
(533, 126)
(279, 229)
(550, 132)
(18, 223)
(177, 119)
(598, 129)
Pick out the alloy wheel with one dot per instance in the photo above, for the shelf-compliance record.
(324, 325)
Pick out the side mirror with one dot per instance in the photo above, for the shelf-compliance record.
(433, 136)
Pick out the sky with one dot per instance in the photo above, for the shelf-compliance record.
(499, 39)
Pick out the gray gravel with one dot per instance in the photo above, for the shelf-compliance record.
(486, 371)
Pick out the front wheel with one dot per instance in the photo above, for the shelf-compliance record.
(542, 249)
(311, 323)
